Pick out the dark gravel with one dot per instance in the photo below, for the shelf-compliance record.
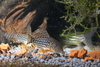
(29, 60)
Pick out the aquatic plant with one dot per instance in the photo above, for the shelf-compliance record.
(84, 13)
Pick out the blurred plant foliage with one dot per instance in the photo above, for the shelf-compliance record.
(78, 11)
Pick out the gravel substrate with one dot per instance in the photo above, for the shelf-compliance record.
(32, 59)
(52, 60)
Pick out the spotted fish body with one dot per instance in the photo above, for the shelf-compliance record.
(41, 39)
(23, 38)
(48, 43)
(17, 37)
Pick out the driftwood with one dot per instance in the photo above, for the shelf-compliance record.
(14, 22)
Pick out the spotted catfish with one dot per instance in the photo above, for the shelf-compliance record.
(42, 39)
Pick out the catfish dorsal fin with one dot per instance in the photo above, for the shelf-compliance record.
(44, 24)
